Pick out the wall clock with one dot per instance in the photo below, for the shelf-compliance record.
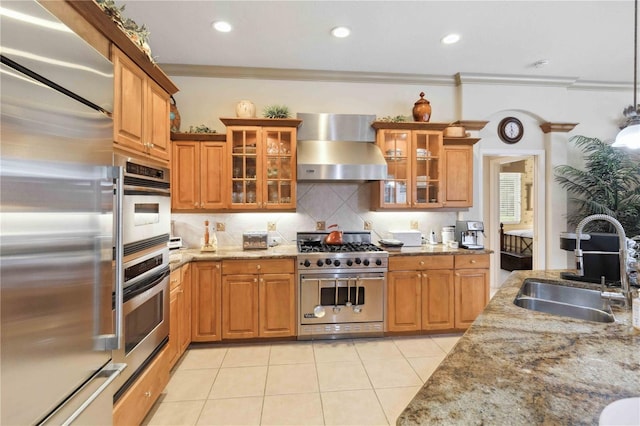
(510, 130)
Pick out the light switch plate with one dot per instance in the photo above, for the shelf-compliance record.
(368, 225)
(271, 226)
(220, 226)
(320, 225)
(414, 224)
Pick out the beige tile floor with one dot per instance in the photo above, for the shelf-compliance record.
(343, 382)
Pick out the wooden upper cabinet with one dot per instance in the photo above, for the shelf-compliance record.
(262, 163)
(425, 170)
(141, 110)
(458, 175)
(198, 175)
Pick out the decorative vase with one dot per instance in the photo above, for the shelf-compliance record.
(421, 109)
(245, 109)
(174, 116)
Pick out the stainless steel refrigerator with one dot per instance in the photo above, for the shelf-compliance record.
(57, 224)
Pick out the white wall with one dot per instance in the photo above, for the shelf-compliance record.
(203, 100)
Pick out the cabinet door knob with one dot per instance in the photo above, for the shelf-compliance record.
(258, 266)
(218, 266)
(419, 275)
(473, 261)
(255, 280)
(421, 262)
(147, 394)
(195, 204)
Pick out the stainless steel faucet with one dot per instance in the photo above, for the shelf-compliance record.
(625, 296)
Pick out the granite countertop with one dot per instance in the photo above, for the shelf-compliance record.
(521, 367)
(182, 256)
(432, 249)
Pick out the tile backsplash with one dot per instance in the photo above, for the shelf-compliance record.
(344, 203)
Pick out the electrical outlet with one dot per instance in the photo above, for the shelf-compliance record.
(271, 226)
(220, 226)
(320, 225)
(414, 224)
(368, 225)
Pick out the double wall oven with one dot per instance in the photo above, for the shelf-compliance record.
(146, 223)
(341, 286)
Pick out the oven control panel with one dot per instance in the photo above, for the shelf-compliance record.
(343, 261)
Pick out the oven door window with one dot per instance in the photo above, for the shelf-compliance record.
(146, 213)
(140, 321)
(328, 296)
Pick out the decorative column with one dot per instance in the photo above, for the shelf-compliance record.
(556, 204)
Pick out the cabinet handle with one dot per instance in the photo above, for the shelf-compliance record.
(147, 394)
(258, 266)
(419, 275)
(218, 266)
(473, 261)
(261, 280)
(195, 204)
(421, 262)
(174, 281)
(202, 205)
(255, 280)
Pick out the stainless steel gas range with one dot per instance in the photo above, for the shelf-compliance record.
(341, 286)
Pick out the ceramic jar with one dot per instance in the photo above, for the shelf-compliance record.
(421, 109)
(245, 109)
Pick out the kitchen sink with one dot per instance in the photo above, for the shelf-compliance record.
(557, 299)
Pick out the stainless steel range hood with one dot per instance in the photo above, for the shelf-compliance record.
(338, 147)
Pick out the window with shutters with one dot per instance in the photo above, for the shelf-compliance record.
(510, 201)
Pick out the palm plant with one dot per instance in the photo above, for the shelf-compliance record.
(610, 184)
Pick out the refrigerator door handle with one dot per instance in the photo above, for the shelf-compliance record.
(113, 341)
(113, 371)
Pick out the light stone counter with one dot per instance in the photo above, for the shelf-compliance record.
(520, 367)
(432, 249)
(182, 256)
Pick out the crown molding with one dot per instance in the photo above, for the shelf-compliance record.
(521, 80)
(185, 70)
(260, 73)
(557, 127)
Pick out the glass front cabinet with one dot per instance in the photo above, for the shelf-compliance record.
(414, 169)
(263, 174)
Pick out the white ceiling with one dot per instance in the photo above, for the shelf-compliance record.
(590, 41)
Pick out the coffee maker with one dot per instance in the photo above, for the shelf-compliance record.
(468, 234)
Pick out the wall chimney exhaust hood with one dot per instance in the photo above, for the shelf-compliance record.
(338, 147)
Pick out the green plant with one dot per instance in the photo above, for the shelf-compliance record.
(396, 119)
(610, 184)
(201, 129)
(276, 111)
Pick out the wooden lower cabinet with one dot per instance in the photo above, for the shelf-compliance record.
(436, 292)
(206, 288)
(403, 301)
(471, 288)
(258, 298)
(179, 313)
(132, 407)
(437, 299)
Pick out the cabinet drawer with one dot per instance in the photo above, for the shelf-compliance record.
(258, 266)
(134, 405)
(413, 263)
(472, 261)
(175, 279)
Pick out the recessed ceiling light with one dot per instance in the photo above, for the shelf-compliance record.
(222, 26)
(450, 39)
(340, 32)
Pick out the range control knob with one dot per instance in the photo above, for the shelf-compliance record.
(319, 262)
(307, 263)
(327, 261)
(378, 262)
(349, 262)
(366, 262)
(336, 262)
(358, 261)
